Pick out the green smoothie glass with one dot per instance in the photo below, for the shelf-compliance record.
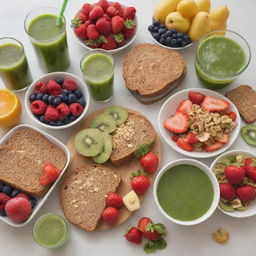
(49, 41)
(98, 71)
(14, 69)
(221, 56)
(51, 231)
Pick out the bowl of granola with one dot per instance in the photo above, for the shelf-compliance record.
(236, 174)
(199, 123)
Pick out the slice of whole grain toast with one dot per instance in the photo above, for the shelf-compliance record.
(128, 136)
(244, 98)
(83, 194)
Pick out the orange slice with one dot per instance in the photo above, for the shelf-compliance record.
(10, 108)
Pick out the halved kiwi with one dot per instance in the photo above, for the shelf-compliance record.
(89, 142)
(229, 160)
(118, 113)
(226, 207)
(104, 123)
(248, 133)
(107, 150)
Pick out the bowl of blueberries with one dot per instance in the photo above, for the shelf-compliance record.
(168, 38)
(57, 100)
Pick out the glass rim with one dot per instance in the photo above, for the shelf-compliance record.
(42, 8)
(232, 32)
(14, 39)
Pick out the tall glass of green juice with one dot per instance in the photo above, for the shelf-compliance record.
(221, 56)
(98, 71)
(49, 41)
(14, 69)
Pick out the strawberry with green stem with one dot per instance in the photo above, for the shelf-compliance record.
(129, 28)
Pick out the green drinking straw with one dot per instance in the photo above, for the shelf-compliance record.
(63, 7)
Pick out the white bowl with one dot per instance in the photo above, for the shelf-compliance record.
(128, 42)
(251, 210)
(206, 170)
(40, 201)
(45, 78)
(169, 108)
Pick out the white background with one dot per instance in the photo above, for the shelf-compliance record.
(182, 241)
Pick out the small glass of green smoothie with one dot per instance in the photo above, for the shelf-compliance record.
(98, 71)
(51, 231)
(221, 56)
(14, 69)
(48, 39)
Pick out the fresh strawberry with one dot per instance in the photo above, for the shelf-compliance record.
(117, 24)
(76, 109)
(86, 8)
(119, 8)
(103, 26)
(3, 200)
(213, 147)
(133, 235)
(143, 222)
(120, 40)
(88, 22)
(175, 138)
(111, 11)
(247, 162)
(153, 231)
(79, 19)
(213, 104)
(114, 200)
(53, 88)
(140, 183)
(63, 110)
(246, 193)
(110, 215)
(177, 123)
(232, 115)
(51, 113)
(106, 17)
(129, 13)
(81, 31)
(196, 97)
(97, 42)
(50, 174)
(69, 85)
(110, 43)
(92, 32)
(38, 107)
(234, 174)
(96, 13)
(227, 191)
(40, 88)
(184, 145)
(25, 195)
(104, 4)
(151, 235)
(129, 28)
(150, 162)
(223, 139)
(184, 106)
(191, 138)
(251, 172)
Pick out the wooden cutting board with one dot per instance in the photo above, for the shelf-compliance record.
(124, 170)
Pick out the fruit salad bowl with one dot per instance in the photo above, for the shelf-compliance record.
(69, 104)
(173, 108)
(121, 46)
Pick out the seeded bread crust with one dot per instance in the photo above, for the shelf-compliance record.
(83, 194)
(149, 70)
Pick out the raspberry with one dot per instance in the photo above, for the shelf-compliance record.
(3, 200)
(76, 109)
(53, 88)
(69, 84)
(40, 88)
(51, 114)
(38, 107)
(25, 195)
(63, 110)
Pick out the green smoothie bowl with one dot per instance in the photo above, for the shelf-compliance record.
(186, 192)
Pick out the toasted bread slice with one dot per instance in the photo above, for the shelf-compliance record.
(150, 70)
(127, 137)
(83, 194)
(244, 98)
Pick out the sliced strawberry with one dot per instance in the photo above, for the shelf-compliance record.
(196, 97)
(184, 106)
(191, 138)
(213, 104)
(223, 139)
(232, 115)
(213, 147)
(175, 138)
(184, 145)
(177, 123)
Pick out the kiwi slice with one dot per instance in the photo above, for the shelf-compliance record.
(118, 113)
(89, 142)
(107, 150)
(226, 207)
(229, 160)
(248, 133)
(104, 123)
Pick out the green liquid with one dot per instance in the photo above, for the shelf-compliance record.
(50, 43)
(50, 231)
(14, 69)
(185, 192)
(99, 75)
(221, 58)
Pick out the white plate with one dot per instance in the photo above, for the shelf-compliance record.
(40, 201)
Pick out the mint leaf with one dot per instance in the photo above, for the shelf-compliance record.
(150, 247)
(160, 244)
(160, 228)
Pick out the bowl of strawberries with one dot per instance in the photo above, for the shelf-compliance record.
(106, 25)
(199, 123)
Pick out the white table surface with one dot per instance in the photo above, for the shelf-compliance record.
(182, 241)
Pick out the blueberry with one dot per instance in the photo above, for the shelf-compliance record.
(174, 31)
(162, 26)
(72, 118)
(163, 36)
(174, 35)
(52, 123)
(162, 41)
(179, 40)
(161, 31)
(179, 35)
(51, 99)
(59, 81)
(42, 119)
(59, 123)
(156, 36)
(168, 33)
(155, 29)
(2, 213)
(82, 101)
(45, 98)
(63, 98)
(78, 93)
(186, 37)
(71, 98)
(1, 186)
(32, 97)
(56, 102)
(7, 190)
(156, 23)
(65, 120)
(174, 42)
(168, 40)
(33, 202)
(39, 96)
(37, 117)
(184, 43)
(15, 192)
(66, 92)
(150, 28)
